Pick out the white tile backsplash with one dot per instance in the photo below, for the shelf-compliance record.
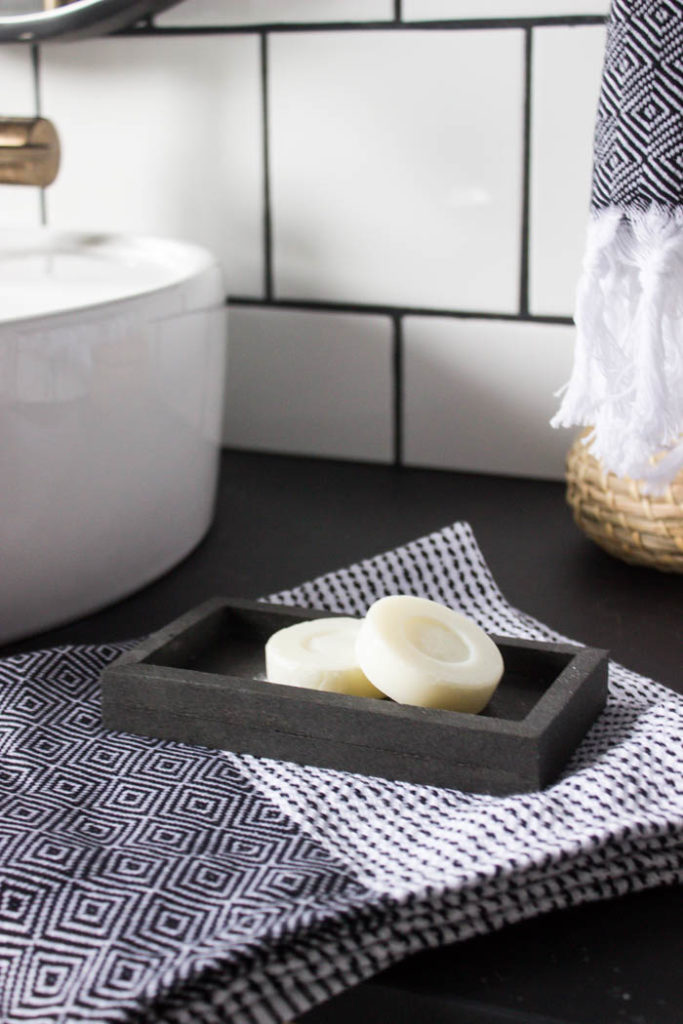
(19, 204)
(310, 382)
(387, 190)
(478, 395)
(561, 160)
(16, 82)
(259, 12)
(162, 136)
(433, 10)
(396, 167)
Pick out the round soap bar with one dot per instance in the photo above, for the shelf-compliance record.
(319, 654)
(419, 652)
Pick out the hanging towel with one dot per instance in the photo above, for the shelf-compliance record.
(148, 881)
(627, 378)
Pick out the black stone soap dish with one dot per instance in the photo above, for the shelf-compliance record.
(200, 680)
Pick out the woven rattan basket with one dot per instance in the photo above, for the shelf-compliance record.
(613, 511)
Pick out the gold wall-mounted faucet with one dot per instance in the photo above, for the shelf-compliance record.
(29, 151)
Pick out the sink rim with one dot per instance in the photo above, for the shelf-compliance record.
(123, 267)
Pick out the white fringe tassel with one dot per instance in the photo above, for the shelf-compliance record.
(627, 379)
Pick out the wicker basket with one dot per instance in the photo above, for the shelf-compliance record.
(638, 528)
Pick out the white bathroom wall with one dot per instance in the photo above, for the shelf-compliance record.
(397, 190)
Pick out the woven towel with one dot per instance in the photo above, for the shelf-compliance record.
(143, 880)
(627, 379)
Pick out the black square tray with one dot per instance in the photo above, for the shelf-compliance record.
(201, 680)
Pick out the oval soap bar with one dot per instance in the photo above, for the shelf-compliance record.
(319, 654)
(420, 652)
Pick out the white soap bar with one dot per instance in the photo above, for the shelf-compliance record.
(420, 652)
(319, 654)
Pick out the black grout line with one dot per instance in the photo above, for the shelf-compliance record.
(530, 21)
(267, 207)
(370, 309)
(253, 28)
(35, 70)
(526, 177)
(465, 24)
(398, 13)
(398, 387)
(37, 100)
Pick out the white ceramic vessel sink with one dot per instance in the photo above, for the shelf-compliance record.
(111, 383)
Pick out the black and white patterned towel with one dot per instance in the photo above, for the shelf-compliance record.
(627, 378)
(149, 881)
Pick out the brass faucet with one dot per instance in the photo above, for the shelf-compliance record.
(29, 151)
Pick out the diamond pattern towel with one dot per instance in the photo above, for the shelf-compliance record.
(627, 378)
(147, 881)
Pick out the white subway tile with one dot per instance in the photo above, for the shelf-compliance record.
(478, 395)
(310, 383)
(563, 121)
(16, 82)
(259, 12)
(396, 167)
(162, 136)
(433, 10)
(19, 204)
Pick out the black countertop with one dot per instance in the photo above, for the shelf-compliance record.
(282, 520)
